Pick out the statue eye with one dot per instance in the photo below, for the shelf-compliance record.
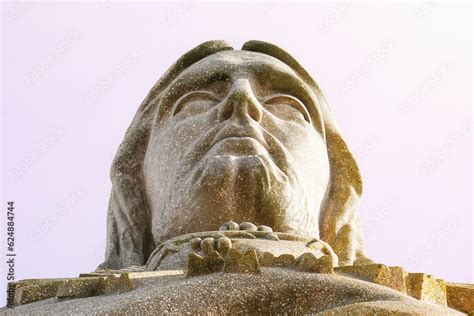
(287, 107)
(195, 102)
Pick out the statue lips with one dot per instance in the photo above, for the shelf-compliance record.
(275, 155)
(252, 143)
(244, 139)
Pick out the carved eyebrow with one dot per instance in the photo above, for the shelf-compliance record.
(292, 84)
(286, 81)
(203, 95)
(290, 100)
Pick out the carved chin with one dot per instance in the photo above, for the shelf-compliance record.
(248, 174)
(242, 188)
(245, 188)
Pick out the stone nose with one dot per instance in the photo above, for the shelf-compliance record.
(241, 103)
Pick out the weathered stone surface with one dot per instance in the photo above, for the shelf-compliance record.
(207, 244)
(131, 280)
(86, 285)
(196, 243)
(199, 265)
(266, 259)
(237, 262)
(232, 261)
(325, 264)
(214, 262)
(248, 226)
(135, 276)
(426, 288)
(113, 284)
(230, 226)
(275, 291)
(240, 234)
(397, 279)
(32, 290)
(392, 277)
(261, 241)
(196, 265)
(249, 262)
(285, 260)
(241, 137)
(81, 287)
(120, 271)
(461, 297)
(223, 245)
(100, 274)
(308, 262)
(271, 236)
(264, 228)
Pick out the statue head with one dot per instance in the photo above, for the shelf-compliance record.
(243, 135)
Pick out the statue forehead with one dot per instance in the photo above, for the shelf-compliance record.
(238, 62)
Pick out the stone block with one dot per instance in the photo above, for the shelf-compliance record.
(392, 277)
(236, 262)
(249, 262)
(32, 290)
(426, 288)
(308, 262)
(154, 274)
(113, 284)
(81, 287)
(397, 279)
(199, 265)
(461, 297)
(98, 274)
(266, 259)
(87, 285)
(325, 264)
(195, 264)
(285, 260)
(214, 261)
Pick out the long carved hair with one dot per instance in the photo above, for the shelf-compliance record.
(129, 238)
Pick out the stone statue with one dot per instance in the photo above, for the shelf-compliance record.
(234, 192)
(242, 135)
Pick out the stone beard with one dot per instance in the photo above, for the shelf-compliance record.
(234, 144)
(232, 135)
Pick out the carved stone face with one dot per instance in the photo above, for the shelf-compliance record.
(238, 136)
